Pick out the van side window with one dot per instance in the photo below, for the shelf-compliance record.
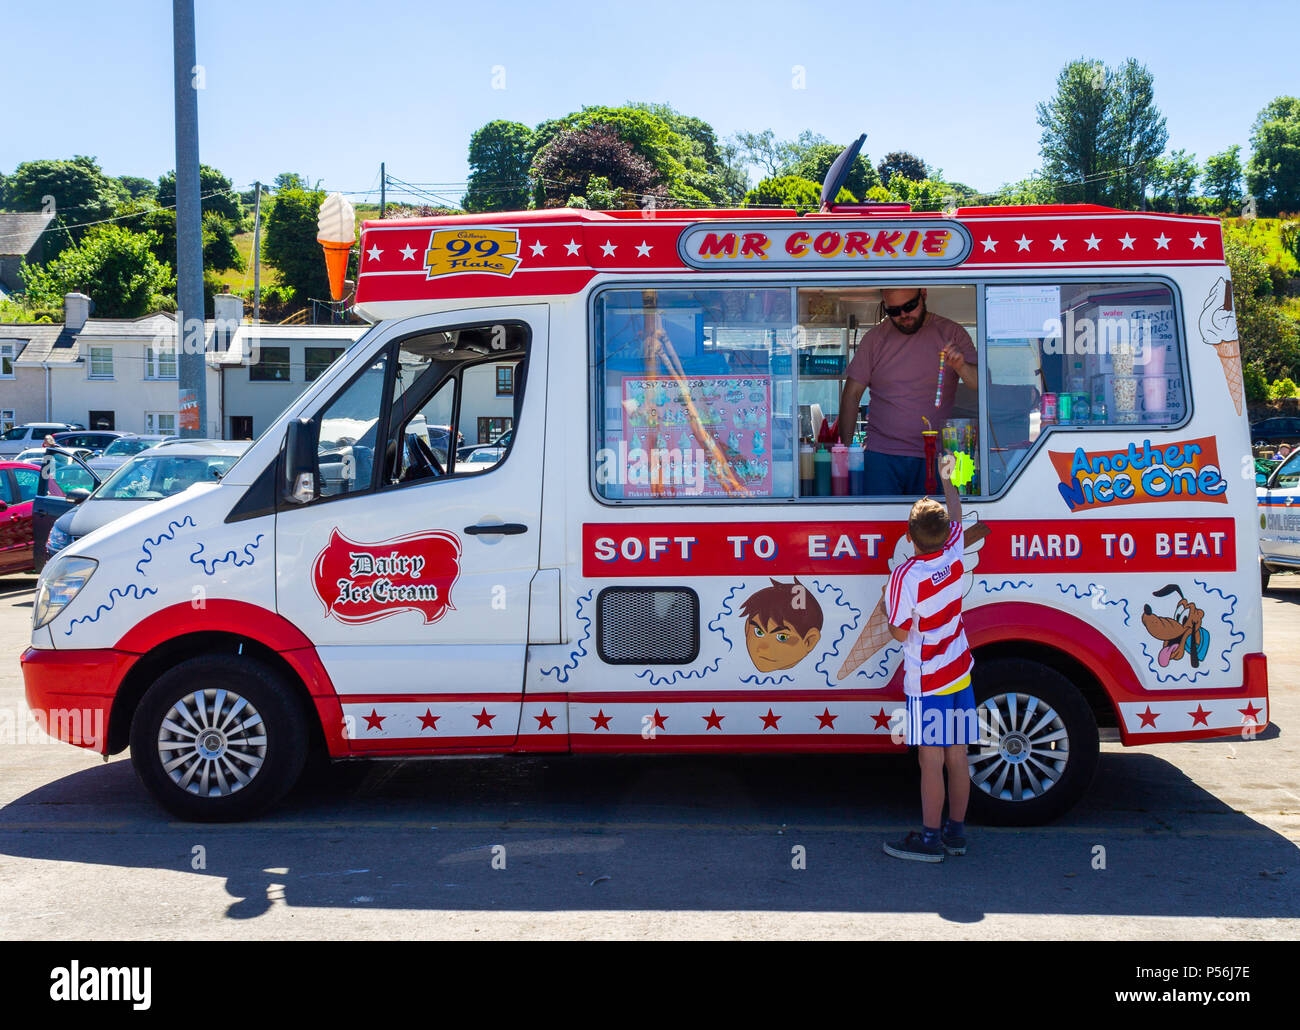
(446, 403)
(1065, 356)
(348, 429)
(694, 394)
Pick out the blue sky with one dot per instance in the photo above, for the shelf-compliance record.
(330, 89)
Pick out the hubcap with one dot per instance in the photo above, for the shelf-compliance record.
(212, 743)
(1024, 748)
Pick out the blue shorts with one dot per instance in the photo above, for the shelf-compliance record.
(891, 475)
(941, 720)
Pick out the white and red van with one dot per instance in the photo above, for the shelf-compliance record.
(646, 567)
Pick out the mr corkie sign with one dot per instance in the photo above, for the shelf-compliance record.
(818, 243)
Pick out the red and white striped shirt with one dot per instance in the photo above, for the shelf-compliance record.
(926, 591)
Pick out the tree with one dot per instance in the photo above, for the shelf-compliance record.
(112, 265)
(1101, 132)
(900, 162)
(1134, 134)
(137, 188)
(290, 243)
(812, 161)
(500, 155)
(1270, 336)
(1221, 180)
(566, 166)
(77, 191)
(763, 149)
(788, 191)
(1172, 179)
(217, 191)
(1273, 175)
(289, 181)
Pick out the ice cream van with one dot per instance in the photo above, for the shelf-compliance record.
(646, 564)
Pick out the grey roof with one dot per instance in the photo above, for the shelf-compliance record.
(117, 328)
(19, 230)
(42, 342)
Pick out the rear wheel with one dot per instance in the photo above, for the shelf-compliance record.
(1040, 743)
(219, 737)
(1264, 575)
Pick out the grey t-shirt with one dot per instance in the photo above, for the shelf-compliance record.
(902, 372)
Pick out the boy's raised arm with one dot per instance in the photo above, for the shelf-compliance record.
(950, 495)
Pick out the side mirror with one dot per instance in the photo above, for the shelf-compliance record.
(298, 485)
(78, 495)
(4, 506)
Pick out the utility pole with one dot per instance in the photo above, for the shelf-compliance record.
(257, 254)
(383, 190)
(192, 402)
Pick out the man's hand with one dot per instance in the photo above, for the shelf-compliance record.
(965, 370)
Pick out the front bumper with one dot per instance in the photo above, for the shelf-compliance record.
(71, 693)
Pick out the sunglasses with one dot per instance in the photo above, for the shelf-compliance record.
(898, 309)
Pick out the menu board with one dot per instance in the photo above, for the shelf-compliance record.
(1021, 312)
(725, 450)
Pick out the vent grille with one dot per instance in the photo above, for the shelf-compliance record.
(647, 626)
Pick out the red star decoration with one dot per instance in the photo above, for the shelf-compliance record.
(1251, 712)
(429, 721)
(826, 719)
(484, 719)
(601, 720)
(659, 720)
(882, 720)
(1148, 718)
(375, 721)
(1200, 716)
(770, 721)
(545, 721)
(712, 721)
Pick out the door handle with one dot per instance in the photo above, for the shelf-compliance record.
(505, 529)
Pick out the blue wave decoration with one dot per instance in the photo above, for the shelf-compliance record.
(131, 590)
(716, 623)
(679, 675)
(845, 629)
(882, 663)
(561, 672)
(169, 533)
(1122, 603)
(1191, 676)
(230, 556)
(1237, 636)
(1004, 585)
(768, 681)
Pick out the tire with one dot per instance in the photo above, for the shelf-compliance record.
(249, 765)
(1041, 743)
(1264, 574)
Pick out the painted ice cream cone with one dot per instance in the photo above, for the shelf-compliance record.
(1218, 325)
(336, 265)
(336, 232)
(875, 635)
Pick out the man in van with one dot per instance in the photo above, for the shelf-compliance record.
(900, 361)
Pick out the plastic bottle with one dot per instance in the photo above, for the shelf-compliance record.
(839, 471)
(822, 471)
(857, 472)
(806, 483)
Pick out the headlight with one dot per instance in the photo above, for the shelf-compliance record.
(60, 582)
(57, 540)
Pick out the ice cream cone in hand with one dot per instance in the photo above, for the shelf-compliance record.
(1218, 324)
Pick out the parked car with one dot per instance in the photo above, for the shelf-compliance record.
(502, 442)
(36, 455)
(18, 482)
(480, 458)
(32, 434)
(123, 449)
(93, 441)
(150, 476)
(1275, 431)
(1279, 520)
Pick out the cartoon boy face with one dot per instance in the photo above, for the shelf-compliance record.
(783, 623)
(777, 645)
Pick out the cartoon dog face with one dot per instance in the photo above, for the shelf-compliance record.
(1179, 634)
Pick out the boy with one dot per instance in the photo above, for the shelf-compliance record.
(923, 605)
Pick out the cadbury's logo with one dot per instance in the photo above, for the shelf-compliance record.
(359, 582)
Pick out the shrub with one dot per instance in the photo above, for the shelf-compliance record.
(1256, 382)
(1282, 389)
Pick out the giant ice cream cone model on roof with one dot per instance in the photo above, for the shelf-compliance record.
(336, 231)
(1219, 329)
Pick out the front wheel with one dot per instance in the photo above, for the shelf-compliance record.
(1039, 743)
(1264, 574)
(218, 738)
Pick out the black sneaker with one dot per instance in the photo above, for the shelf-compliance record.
(953, 844)
(913, 847)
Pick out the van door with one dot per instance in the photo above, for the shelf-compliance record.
(410, 570)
